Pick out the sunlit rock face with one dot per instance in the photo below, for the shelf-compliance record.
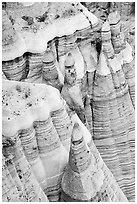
(71, 90)
(84, 180)
(35, 150)
(124, 53)
(19, 178)
(92, 65)
(58, 28)
(36, 140)
(50, 71)
(28, 118)
(114, 118)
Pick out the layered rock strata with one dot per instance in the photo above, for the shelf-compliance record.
(25, 118)
(63, 125)
(16, 69)
(9, 189)
(123, 52)
(42, 67)
(51, 71)
(27, 182)
(71, 90)
(51, 151)
(83, 179)
(113, 124)
(79, 24)
(36, 49)
(29, 144)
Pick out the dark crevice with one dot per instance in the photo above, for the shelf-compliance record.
(56, 45)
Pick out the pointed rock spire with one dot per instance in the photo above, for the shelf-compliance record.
(69, 61)
(118, 42)
(63, 125)
(48, 57)
(70, 70)
(116, 32)
(50, 71)
(78, 182)
(105, 32)
(79, 158)
(53, 155)
(115, 24)
(107, 47)
(76, 135)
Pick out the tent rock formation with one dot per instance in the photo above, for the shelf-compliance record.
(50, 46)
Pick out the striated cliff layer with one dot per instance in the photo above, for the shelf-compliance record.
(33, 137)
(91, 63)
(37, 149)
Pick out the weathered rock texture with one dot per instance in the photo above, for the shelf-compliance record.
(36, 152)
(26, 115)
(19, 182)
(91, 62)
(83, 179)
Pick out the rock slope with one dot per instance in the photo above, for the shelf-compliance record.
(91, 63)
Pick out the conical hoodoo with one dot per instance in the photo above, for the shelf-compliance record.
(53, 155)
(89, 55)
(35, 67)
(106, 40)
(123, 52)
(111, 108)
(49, 71)
(83, 180)
(32, 190)
(126, 119)
(129, 70)
(63, 45)
(29, 144)
(70, 70)
(71, 91)
(40, 149)
(63, 125)
(80, 148)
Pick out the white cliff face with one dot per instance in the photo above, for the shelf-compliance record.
(32, 98)
(36, 114)
(111, 90)
(23, 53)
(96, 80)
(66, 26)
(123, 53)
(42, 146)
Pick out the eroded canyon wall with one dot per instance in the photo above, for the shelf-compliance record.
(91, 63)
